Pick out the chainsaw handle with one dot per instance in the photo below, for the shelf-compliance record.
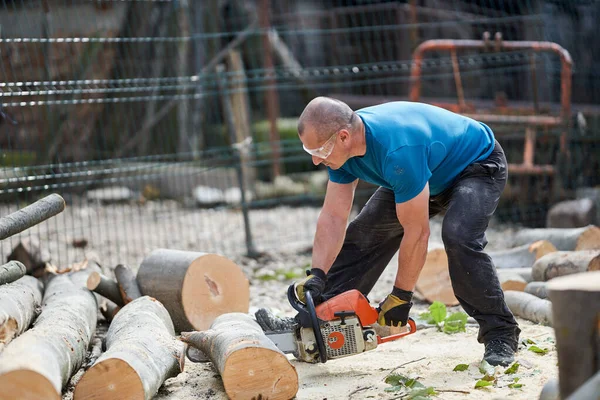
(390, 338)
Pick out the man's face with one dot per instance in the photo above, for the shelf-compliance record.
(326, 152)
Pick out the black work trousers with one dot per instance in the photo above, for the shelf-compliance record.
(374, 236)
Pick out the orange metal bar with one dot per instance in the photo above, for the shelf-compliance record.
(413, 329)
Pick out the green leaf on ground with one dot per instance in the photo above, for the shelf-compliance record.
(421, 393)
(512, 369)
(537, 350)
(461, 367)
(426, 316)
(456, 322)
(515, 385)
(438, 311)
(482, 383)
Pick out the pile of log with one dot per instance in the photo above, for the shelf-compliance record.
(535, 257)
(46, 333)
(48, 319)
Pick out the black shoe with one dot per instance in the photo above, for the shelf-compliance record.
(271, 323)
(499, 352)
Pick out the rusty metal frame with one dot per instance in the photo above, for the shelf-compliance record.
(530, 121)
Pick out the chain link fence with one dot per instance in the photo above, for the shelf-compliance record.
(173, 123)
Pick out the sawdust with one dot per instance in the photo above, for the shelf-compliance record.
(362, 376)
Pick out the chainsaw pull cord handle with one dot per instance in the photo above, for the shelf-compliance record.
(310, 305)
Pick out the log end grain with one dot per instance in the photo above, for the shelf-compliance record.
(434, 282)
(585, 282)
(589, 239)
(8, 330)
(26, 385)
(93, 280)
(213, 285)
(268, 375)
(110, 379)
(541, 248)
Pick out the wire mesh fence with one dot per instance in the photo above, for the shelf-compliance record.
(173, 123)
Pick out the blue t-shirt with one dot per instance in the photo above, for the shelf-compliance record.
(410, 144)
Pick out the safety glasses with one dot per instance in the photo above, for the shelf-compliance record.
(325, 150)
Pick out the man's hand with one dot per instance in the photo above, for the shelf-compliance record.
(393, 311)
(315, 282)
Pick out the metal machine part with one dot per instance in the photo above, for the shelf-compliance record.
(332, 330)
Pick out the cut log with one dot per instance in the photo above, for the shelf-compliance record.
(529, 307)
(522, 256)
(28, 252)
(511, 281)
(576, 306)
(550, 391)
(11, 271)
(524, 273)
(37, 364)
(31, 215)
(105, 287)
(567, 239)
(141, 353)
(434, 281)
(589, 390)
(251, 366)
(563, 263)
(571, 214)
(128, 286)
(538, 289)
(19, 305)
(194, 287)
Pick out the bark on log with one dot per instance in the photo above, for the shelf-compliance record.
(550, 391)
(37, 364)
(194, 287)
(529, 307)
(523, 256)
(105, 287)
(251, 366)
(576, 306)
(19, 305)
(571, 214)
(28, 252)
(563, 263)
(141, 353)
(589, 390)
(538, 289)
(434, 281)
(128, 286)
(524, 273)
(567, 239)
(11, 271)
(31, 215)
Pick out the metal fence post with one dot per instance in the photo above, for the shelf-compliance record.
(228, 115)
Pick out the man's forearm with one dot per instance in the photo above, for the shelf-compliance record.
(331, 231)
(411, 258)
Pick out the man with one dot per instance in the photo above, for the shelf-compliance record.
(426, 160)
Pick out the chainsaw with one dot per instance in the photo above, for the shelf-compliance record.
(339, 327)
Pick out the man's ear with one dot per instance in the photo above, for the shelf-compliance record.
(344, 135)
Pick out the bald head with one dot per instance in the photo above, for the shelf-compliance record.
(325, 116)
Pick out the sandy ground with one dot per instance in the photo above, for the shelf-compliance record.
(428, 355)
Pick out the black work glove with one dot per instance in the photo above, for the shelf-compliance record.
(315, 282)
(393, 311)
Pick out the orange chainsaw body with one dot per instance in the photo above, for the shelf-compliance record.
(352, 300)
